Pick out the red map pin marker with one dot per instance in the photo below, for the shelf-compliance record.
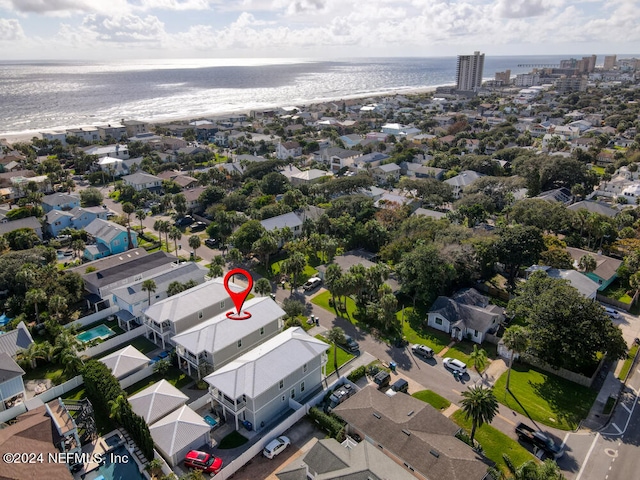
(238, 298)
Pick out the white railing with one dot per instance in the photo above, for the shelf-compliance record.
(113, 342)
(13, 412)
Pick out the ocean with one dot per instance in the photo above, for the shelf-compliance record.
(36, 96)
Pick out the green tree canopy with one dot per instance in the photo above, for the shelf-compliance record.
(518, 246)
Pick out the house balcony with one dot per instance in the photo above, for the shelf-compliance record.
(227, 402)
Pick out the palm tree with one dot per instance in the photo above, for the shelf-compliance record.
(175, 234)
(336, 336)
(194, 242)
(128, 208)
(117, 407)
(141, 215)
(34, 297)
(149, 286)
(27, 357)
(78, 246)
(516, 339)
(294, 266)
(216, 270)
(58, 304)
(479, 358)
(480, 405)
(587, 263)
(71, 361)
(530, 470)
(332, 278)
(262, 287)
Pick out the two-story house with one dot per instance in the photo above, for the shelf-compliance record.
(386, 172)
(290, 220)
(143, 181)
(219, 340)
(133, 299)
(11, 386)
(288, 150)
(77, 218)
(187, 309)
(337, 158)
(462, 180)
(110, 239)
(59, 201)
(259, 386)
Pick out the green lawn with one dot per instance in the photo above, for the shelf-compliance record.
(495, 443)
(322, 300)
(545, 397)
(618, 292)
(415, 330)
(628, 362)
(598, 170)
(433, 399)
(343, 357)
(174, 376)
(77, 393)
(141, 343)
(462, 350)
(51, 371)
(233, 440)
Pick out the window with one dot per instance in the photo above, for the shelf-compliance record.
(222, 305)
(293, 393)
(283, 398)
(239, 343)
(304, 368)
(262, 331)
(281, 384)
(116, 243)
(200, 314)
(438, 321)
(302, 387)
(475, 333)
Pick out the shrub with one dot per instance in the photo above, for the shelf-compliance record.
(357, 374)
(372, 370)
(328, 422)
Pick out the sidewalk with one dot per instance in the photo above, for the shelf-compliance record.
(596, 419)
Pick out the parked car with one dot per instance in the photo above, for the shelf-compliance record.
(203, 461)
(275, 446)
(185, 221)
(311, 284)
(612, 313)
(382, 379)
(198, 226)
(211, 242)
(340, 394)
(539, 440)
(422, 350)
(455, 365)
(399, 386)
(350, 345)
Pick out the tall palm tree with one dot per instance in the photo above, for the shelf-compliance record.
(175, 234)
(78, 246)
(332, 278)
(516, 339)
(117, 407)
(34, 297)
(71, 362)
(480, 405)
(58, 304)
(336, 337)
(479, 358)
(149, 286)
(194, 242)
(587, 263)
(216, 271)
(294, 266)
(530, 470)
(141, 215)
(27, 357)
(262, 286)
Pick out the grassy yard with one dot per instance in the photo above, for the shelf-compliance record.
(415, 330)
(495, 443)
(617, 292)
(51, 371)
(544, 397)
(343, 357)
(141, 343)
(322, 300)
(598, 170)
(174, 376)
(433, 399)
(461, 351)
(233, 440)
(628, 362)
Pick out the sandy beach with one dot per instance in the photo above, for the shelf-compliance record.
(26, 136)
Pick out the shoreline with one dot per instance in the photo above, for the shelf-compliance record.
(27, 135)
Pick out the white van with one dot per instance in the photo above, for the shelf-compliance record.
(612, 313)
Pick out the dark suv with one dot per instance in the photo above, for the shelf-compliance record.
(382, 379)
(185, 221)
(350, 345)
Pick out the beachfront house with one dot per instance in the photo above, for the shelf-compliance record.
(274, 377)
(217, 341)
(171, 316)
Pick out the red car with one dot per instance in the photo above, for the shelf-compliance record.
(203, 461)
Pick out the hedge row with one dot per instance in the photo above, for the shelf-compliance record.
(330, 423)
(357, 374)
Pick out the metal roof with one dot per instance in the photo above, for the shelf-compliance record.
(125, 361)
(157, 400)
(178, 430)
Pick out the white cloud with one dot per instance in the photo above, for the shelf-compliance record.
(63, 8)
(523, 8)
(177, 5)
(10, 30)
(125, 28)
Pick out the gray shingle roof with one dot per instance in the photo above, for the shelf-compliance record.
(104, 229)
(157, 400)
(11, 342)
(290, 220)
(140, 178)
(468, 307)
(597, 207)
(259, 369)
(220, 331)
(29, 222)
(125, 265)
(606, 267)
(57, 199)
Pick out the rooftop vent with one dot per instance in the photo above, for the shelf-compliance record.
(410, 413)
(377, 415)
(406, 432)
(435, 453)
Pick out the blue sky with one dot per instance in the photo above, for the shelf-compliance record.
(117, 29)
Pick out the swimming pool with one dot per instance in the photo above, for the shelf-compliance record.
(113, 440)
(118, 465)
(4, 320)
(101, 331)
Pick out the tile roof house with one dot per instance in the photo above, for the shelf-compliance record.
(467, 314)
(156, 401)
(110, 239)
(125, 361)
(177, 433)
(412, 433)
(329, 460)
(32, 432)
(219, 340)
(606, 267)
(11, 386)
(13, 341)
(259, 386)
(180, 312)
